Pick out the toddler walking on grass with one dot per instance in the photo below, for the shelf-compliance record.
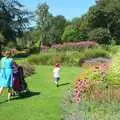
(56, 74)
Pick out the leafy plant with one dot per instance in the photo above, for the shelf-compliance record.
(113, 75)
(70, 58)
(28, 69)
(100, 35)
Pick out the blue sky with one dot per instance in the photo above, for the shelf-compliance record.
(67, 8)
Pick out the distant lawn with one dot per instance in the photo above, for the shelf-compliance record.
(45, 103)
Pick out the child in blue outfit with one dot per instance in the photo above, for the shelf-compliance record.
(56, 74)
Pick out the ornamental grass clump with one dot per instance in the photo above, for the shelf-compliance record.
(113, 75)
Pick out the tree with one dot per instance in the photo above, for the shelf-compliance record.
(106, 14)
(69, 34)
(100, 35)
(51, 27)
(73, 34)
(13, 19)
(44, 19)
(77, 30)
(29, 39)
(57, 29)
(1, 42)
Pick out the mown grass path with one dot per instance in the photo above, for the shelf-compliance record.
(45, 101)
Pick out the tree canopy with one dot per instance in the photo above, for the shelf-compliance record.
(13, 19)
(101, 23)
(106, 14)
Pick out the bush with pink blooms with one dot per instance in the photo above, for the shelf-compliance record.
(93, 97)
(75, 45)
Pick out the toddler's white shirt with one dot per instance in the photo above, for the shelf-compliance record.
(56, 72)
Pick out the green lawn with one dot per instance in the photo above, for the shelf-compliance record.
(45, 103)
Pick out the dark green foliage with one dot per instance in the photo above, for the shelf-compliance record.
(100, 35)
(29, 40)
(106, 14)
(13, 19)
(73, 34)
(57, 29)
(1, 38)
(34, 50)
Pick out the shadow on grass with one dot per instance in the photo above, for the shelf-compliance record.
(22, 96)
(63, 84)
(26, 95)
(5, 101)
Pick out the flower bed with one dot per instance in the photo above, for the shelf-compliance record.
(94, 94)
(70, 45)
(93, 76)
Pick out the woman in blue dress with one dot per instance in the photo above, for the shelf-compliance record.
(6, 73)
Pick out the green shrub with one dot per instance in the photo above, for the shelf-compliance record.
(70, 34)
(112, 49)
(34, 59)
(113, 75)
(67, 58)
(42, 58)
(100, 35)
(93, 53)
(71, 58)
(45, 59)
(34, 50)
(28, 69)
